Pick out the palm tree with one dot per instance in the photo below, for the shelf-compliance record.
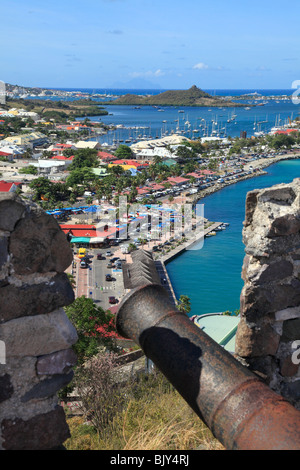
(184, 304)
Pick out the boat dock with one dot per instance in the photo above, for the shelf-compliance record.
(160, 263)
(189, 243)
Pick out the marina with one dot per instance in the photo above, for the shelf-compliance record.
(261, 113)
(211, 275)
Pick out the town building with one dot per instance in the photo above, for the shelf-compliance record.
(6, 187)
(32, 140)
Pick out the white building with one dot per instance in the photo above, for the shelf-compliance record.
(87, 144)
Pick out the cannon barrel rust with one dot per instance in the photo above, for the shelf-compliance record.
(242, 412)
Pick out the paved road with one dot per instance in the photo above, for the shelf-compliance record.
(91, 282)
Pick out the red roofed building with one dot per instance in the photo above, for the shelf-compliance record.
(178, 180)
(5, 154)
(142, 191)
(107, 157)
(59, 148)
(8, 187)
(208, 172)
(195, 175)
(287, 131)
(78, 230)
(156, 187)
(63, 158)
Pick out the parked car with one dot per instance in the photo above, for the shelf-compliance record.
(108, 253)
(108, 277)
(81, 252)
(112, 300)
(100, 256)
(83, 264)
(110, 265)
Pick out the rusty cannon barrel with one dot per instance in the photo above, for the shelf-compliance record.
(242, 412)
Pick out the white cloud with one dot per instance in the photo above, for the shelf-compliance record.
(262, 68)
(149, 73)
(201, 66)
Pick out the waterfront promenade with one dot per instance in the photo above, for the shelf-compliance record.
(198, 238)
(91, 282)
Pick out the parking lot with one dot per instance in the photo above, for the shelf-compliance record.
(92, 281)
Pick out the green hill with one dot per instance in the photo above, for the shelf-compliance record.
(194, 96)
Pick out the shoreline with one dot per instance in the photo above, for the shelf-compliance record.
(260, 165)
(257, 165)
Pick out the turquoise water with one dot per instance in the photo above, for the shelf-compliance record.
(211, 276)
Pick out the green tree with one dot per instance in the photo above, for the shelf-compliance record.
(185, 153)
(29, 170)
(123, 151)
(84, 158)
(81, 176)
(282, 140)
(184, 304)
(95, 327)
(52, 193)
(117, 170)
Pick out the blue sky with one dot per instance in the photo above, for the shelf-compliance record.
(167, 44)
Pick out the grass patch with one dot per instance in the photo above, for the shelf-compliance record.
(155, 418)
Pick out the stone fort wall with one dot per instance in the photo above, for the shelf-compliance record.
(268, 337)
(36, 336)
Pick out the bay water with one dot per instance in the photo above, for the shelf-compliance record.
(211, 275)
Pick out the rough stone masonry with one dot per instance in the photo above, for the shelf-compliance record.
(268, 336)
(35, 334)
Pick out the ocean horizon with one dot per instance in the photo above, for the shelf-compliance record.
(155, 91)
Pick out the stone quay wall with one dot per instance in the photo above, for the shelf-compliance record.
(268, 336)
(36, 337)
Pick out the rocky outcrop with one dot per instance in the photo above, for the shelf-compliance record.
(36, 336)
(268, 336)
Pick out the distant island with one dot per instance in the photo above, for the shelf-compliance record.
(194, 96)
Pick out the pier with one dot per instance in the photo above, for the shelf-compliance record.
(161, 262)
(190, 242)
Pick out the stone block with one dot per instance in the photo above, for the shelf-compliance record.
(284, 226)
(274, 272)
(57, 363)
(291, 391)
(288, 314)
(47, 387)
(257, 301)
(280, 194)
(287, 367)
(41, 432)
(291, 330)
(12, 209)
(38, 335)
(39, 245)
(258, 340)
(35, 299)
(6, 387)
